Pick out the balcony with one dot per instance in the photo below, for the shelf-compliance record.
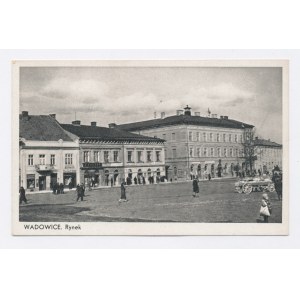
(44, 168)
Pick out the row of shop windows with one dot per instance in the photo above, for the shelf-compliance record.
(42, 159)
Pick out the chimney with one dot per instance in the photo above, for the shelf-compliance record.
(187, 111)
(112, 125)
(76, 122)
(93, 123)
(25, 115)
(162, 115)
(197, 113)
(179, 112)
(53, 116)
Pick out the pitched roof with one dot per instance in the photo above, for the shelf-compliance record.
(266, 143)
(185, 119)
(86, 132)
(41, 128)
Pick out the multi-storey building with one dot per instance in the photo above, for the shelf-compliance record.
(197, 145)
(268, 155)
(109, 155)
(47, 154)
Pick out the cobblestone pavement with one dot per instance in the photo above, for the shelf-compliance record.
(171, 202)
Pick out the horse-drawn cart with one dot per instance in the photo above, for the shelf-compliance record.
(247, 185)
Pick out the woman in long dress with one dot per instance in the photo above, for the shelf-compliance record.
(195, 187)
(123, 192)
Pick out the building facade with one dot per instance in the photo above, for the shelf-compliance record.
(47, 154)
(108, 155)
(268, 155)
(196, 145)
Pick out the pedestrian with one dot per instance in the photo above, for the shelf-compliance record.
(278, 187)
(61, 188)
(265, 208)
(22, 195)
(135, 180)
(209, 176)
(144, 181)
(111, 181)
(83, 189)
(79, 191)
(195, 187)
(123, 192)
(54, 187)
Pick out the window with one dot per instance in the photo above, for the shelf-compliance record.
(197, 136)
(30, 160)
(42, 159)
(235, 138)
(157, 155)
(218, 137)
(204, 136)
(191, 152)
(164, 136)
(205, 152)
(174, 154)
(224, 137)
(211, 137)
(106, 157)
(149, 156)
(96, 156)
(225, 152)
(231, 152)
(116, 156)
(140, 156)
(212, 152)
(68, 159)
(241, 138)
(230, 138)
(173, 136)
(199, 152)
(219, 152)
(52, 159)
(190, 136)
(86, 156)
(129, 156)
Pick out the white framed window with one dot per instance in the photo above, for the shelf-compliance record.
(116, 156)
(42, 158)
(68, 159)
(212, 152)
(86, 156)
(129, 156)
(224, 137)
(219, 152)
(140, 156)
(96, 156)
(190, 136)
(211, 137)
(231, 152)
(235, 138)
(205, 152)
(199, 152)
(225, 152)
(204, 136)
(30, 159)
(149, 156)
(191, 152)
(174, 153)
(197, 136)
(157, 155)
(52, 159)
(218, 137)
(229, 138)
(106, 156)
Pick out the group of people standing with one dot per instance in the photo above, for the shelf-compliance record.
(58, 188)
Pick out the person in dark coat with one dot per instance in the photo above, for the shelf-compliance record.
(123, 192)
(61, 188)
(195, 187)
(54, 188)
(22, 195)
(135, 180)
(278, 187)
(80, 192)
(144, 181)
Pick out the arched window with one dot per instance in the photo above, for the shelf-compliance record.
(158, 172)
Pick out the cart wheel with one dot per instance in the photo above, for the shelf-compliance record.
(271, 187)
(239, 189)
(247, 188)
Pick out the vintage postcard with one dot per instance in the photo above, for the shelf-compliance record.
(152, 147)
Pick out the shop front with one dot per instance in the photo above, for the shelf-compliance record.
(92, 174)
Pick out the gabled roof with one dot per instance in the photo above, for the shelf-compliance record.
(184, 119)
(86, 132)
(41, 128)
(266, 143)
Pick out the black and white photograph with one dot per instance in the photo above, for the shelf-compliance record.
(150, 147)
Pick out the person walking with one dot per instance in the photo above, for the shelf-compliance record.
(79, 190)
(265, 208)
(195, 187)
(123, 192)
(22, 195)
(278, 186)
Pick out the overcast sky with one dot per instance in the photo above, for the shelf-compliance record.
(122, 95)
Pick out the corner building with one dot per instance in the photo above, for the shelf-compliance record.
(109, 155)
(197, 145)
